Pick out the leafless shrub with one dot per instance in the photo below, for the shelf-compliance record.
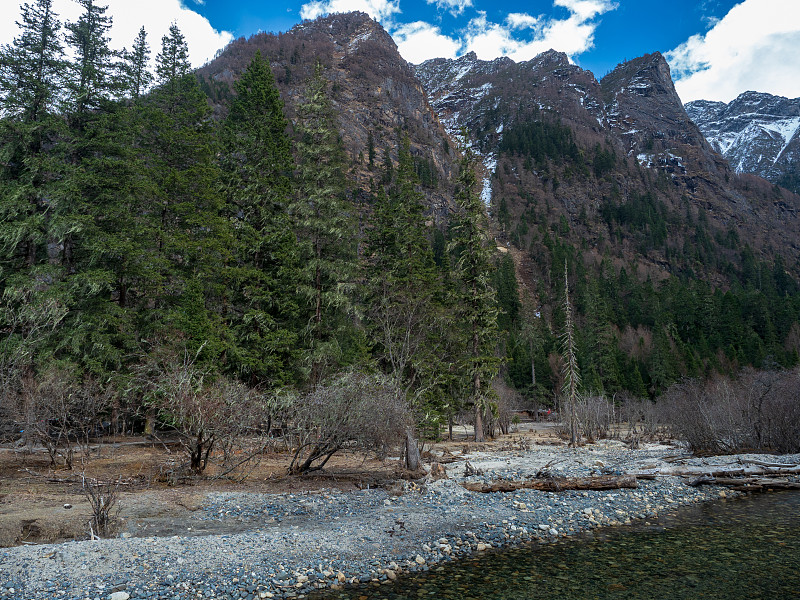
(759, 410)
(595, 415)
(354, 410)
(103, 499)
(507, 401)
(61, 412)
(206, 412)
(640, 418)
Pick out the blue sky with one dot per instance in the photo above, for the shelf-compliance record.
(631, 29)
(716, 48)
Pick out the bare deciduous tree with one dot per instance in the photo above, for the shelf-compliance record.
(356, 411)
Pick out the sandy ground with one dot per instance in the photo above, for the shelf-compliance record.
(41, 504)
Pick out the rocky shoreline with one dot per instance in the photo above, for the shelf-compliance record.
(300, 543)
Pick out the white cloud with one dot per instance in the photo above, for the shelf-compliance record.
(454, 7)
(521, 21)
(379, 9)
(521, 36)
(420, 41)
(572, 35)
(754, 47)
(155, 15)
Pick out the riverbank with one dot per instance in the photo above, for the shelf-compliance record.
(288, 545)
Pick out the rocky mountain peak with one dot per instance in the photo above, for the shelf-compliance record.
(550, 59)
(758, 133)
(377, 98)
(647, 76)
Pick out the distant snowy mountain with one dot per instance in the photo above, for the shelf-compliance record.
(758, 133)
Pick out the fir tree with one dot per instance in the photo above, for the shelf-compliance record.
(257, 164)
(475, 296)
(193, 237)
(31, 182)
(31, 67)
(137, 76)
(572, 378)
(172, 63)
(325, 229)
(91, 80)
(402, 289)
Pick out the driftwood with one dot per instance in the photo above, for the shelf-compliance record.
(752, 470)
(748, 475)
(556, 484)
(747, 484)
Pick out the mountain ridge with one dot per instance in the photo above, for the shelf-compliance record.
(757, 133)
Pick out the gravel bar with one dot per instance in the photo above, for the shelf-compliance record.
(300, 543)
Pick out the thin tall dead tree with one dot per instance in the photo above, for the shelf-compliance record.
(572, 377)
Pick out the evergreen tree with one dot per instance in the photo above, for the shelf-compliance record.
(172, 63)
(402, 294)
(476, 298)
(193, 237)
(31, 182)
(325, 229)
(31, 67)
(137, 76)
(91, 80)
(257, 164)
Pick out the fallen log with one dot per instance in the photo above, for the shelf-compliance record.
(556, 484)
(747, 484)
(721, 471)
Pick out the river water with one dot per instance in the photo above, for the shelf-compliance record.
(745, 548)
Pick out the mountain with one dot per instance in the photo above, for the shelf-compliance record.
(375, 93)
(632, 139)
(757, 133)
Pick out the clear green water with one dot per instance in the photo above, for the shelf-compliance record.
(745, 548)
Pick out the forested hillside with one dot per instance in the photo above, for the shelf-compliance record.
(678, 267)
(275, 239)
(165, 268)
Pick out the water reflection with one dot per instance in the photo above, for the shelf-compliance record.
(745, 548)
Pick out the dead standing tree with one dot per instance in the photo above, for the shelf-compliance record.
(572, 377)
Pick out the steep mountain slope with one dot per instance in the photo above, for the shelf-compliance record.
(632, 139)
(758, 133)
(376, 95)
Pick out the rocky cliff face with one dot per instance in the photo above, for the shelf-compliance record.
(634, 123)
(757, 133)
(376, 95)
(625, 138)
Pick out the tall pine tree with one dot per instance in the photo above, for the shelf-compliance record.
(257, 167)
(326, 231)
(476, 298)
(31, 181)
(136, 75)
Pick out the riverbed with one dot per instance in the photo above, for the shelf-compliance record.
(741, 548)
(290, 545)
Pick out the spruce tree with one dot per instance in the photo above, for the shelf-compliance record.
(91, 80)
(172, 63)
(403, 292)
(136, 74)
(476, 298)
(326, 231)
(257, 167)
(31, 182)
(193, 237)
(572, 378)
(31, 67)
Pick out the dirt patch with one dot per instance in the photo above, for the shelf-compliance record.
(40, 504)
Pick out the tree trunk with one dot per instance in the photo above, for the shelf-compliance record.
(412, 452)
(479, 435)
(556, 484)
